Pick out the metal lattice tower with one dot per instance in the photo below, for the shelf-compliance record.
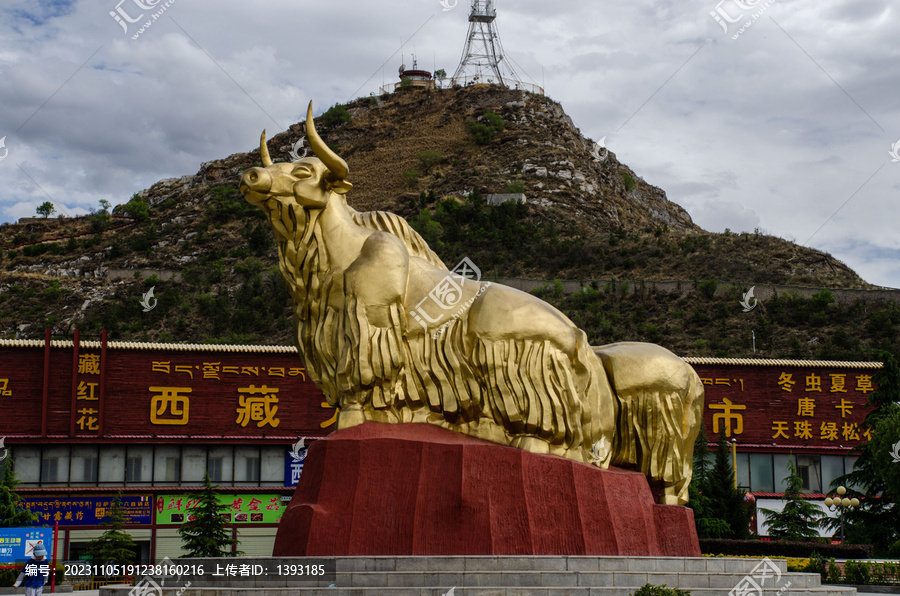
(482, 58)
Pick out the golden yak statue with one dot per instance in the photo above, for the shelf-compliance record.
(378, 337)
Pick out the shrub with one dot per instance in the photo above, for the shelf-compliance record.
(783, 548)
(651, 590)
(628, 181)
(100, 221)
(335, 116)
(411, 178)
(137, 208)
(857, 572)
(708, 288)
(833, 574)
(515, 186)
(429, 159)
(484, 131)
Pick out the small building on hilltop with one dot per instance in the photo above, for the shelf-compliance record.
(412, 78)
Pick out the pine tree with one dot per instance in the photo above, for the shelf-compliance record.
(206, 535)
(115, 545)
(875, 478)
(799, 518)
(708, 526)
(726, 501)
(12, 513)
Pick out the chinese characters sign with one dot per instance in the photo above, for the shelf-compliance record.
(17, 544)
(160, 392)
(787, 406)
(246, 508)
(88, 511)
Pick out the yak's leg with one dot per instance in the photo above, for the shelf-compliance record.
(660, 408)
(375, 324)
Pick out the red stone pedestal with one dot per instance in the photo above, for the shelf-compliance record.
(416, 489)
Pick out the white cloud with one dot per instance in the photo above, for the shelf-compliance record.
(774, 130)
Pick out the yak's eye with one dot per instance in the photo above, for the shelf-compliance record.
(301, 172)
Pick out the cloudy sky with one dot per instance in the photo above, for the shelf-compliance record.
(786, 125)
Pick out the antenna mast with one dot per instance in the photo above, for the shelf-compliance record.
(482, 58)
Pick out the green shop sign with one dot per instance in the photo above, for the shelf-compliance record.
(237, 509)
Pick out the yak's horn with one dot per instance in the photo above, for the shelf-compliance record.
(336, 165)
(264, 150)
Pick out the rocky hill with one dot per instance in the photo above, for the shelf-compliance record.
(433, 157)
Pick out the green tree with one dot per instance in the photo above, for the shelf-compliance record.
(115, 545)
(440, 74)
(335, 116)
(137, 208)
(875, 478)
(104, 206)
(726, 501)
(12, 513)
(206, 534)
(46, 209)
(799, 519)
(708, 525)
(485, 130)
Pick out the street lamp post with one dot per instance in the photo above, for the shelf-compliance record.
(841, 504)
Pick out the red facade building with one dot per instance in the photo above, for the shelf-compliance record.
(85, 421)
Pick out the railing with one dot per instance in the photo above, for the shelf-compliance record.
(491, 80)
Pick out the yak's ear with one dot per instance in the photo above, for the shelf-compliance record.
(341, 187)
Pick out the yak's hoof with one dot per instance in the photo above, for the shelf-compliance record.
(350, 416)
(531, 444)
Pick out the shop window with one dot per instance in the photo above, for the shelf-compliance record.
(49, 468)
(27, 464)
(272, 466)
(85, 464)
(193, 464)
(173, 469)
(223, 467)
(761, 479)
(89, 470)
(167, 464)
(112, 465)
(809, 468)
(214, 469)
(252, 469)
(832, 468)
(133, 469)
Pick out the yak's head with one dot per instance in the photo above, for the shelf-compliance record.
(280, 188)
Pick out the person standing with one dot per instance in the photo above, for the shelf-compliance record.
(36, 572)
